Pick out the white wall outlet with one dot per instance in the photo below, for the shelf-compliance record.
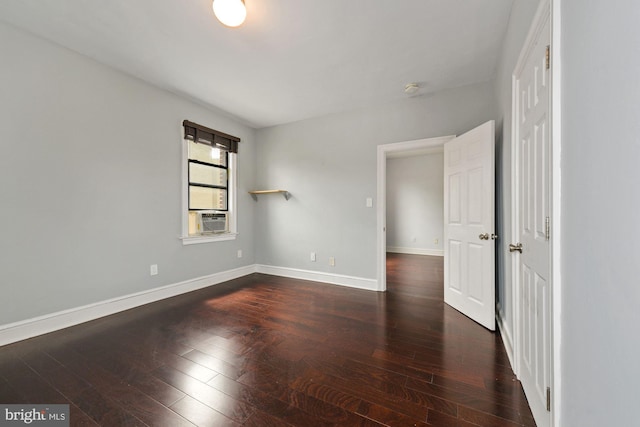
(369, 202)
(436, 241)
(332, 261)
(239, 253)
(312, 257)
(153, 270)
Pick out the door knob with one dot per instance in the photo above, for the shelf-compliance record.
(484, 236)
(515, 248)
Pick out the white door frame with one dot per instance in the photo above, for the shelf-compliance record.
(545, 8)
(381, 194)
(556, 206)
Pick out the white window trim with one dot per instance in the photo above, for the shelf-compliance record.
(231, 200)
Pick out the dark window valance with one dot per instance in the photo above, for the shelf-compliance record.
(205, 135)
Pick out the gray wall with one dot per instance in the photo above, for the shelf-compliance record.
(86, 154)
(329, 165)
(415, 203)
(522, 13)
(600, 209)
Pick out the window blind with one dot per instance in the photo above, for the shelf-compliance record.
(204, 135)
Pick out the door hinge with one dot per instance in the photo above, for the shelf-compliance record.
(548, 57)
(547, 228)
(549, 399)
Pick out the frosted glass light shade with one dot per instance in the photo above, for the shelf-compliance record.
(231, 13)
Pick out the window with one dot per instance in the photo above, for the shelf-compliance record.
(208, 178)
(209, 175)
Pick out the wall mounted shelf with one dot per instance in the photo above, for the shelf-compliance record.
(255, 193)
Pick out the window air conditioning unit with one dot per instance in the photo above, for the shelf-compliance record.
(212, 222)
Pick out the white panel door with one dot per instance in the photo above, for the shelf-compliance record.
(532, 249)
(469, 269)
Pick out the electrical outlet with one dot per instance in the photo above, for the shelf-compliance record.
(369, 202)
(332, 261)
(436, 241)
(239, 253)
(153, 270)
(312, 257)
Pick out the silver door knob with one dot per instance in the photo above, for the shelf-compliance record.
(515, 248)
(484, 236)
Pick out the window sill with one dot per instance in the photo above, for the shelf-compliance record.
(196, 240)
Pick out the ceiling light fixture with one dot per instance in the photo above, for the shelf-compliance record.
(231, 13)
(411, 88)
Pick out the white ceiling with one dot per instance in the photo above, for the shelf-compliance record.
(291, 59)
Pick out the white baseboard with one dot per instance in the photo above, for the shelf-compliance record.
(30, 328)
(506, 337)
(25, 329)
(316, 276)
(415, 251)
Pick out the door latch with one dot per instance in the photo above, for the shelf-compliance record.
(487, 236)
(515, 248)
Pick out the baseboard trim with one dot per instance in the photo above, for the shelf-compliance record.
(316, 276)
(25, 329)
(30, 328)
(415, 251)
(506, 337)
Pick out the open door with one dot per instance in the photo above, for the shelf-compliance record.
(469, 238)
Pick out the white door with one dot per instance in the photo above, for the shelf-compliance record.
(469, 250)
(532, 247)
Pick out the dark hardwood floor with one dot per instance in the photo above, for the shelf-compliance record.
(270, 351)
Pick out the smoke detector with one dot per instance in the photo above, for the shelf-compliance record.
(411, 88)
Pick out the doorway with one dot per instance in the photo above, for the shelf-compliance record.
(415, 202)
(468, 234)
(383, 153)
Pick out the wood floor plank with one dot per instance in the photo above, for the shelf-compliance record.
(263, 419)
(435, 418)
(156, 389)
(58, 376)
(103, 410)
(327, 393)
(480, 402)
(389, 417)
(200, 414)
(271, 351)
(215, 364)
(273, 401)
(79, 419)
(205, 394)
(136, 403)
